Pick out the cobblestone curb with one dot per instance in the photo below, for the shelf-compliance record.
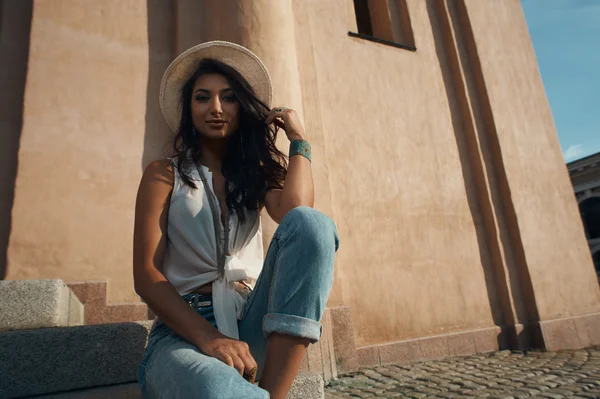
(505, 374)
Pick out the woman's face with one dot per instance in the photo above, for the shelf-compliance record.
(215, 110)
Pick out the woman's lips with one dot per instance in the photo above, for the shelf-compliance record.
(216, 125)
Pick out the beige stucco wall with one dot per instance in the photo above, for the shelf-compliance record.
(82, 143)
(410, 260)
(391, 163)
(555, 248)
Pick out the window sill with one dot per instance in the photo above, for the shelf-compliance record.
(381, 41)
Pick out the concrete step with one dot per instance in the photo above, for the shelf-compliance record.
(319, 359)
(98, 361)
(27, 304)
(306, 386)
(121, 391)
(93, 294)
(49, 360)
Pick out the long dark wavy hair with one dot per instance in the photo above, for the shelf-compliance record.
(252, 164)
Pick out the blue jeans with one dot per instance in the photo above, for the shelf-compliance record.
(289, 298)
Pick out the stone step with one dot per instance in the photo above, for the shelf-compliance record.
(319, 359)
(27, 304)
(93, 294)
(49, 360)
(306, 386)
(121, 391)
(84, 361)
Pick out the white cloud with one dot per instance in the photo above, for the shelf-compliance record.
(573, 152)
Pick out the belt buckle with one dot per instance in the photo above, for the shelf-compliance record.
(193, 302)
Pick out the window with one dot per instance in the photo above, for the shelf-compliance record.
(590, 214)
(384, 21)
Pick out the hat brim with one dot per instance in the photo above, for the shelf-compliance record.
(180, 70)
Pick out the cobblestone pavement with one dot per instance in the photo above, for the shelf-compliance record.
(506, 374)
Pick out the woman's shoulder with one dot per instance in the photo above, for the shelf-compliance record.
(164, 165)
(160, 170)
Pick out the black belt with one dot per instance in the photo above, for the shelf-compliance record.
(198, 300)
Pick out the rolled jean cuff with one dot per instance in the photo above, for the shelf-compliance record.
(297, 326)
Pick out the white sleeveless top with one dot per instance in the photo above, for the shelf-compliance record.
(191, 255)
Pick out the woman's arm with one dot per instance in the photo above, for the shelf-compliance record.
(149, 244)
(298, 188)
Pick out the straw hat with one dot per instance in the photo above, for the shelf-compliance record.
(234, 55)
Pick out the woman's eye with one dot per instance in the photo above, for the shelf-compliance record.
(201, 98)
(229, 98)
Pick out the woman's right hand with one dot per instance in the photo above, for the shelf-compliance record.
(233, 353)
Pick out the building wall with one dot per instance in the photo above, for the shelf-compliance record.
(585, 177)
(441, 167)
(550, 237)
(396, 174)
(84, 142)
(15, 21)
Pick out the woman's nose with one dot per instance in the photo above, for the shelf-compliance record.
(215, 107)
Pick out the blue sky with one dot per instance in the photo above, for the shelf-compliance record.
(566, 38)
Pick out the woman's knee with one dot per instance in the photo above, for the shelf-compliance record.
(313, 225)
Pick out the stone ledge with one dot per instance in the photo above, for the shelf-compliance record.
(430, 348)
(306, 386)
(97, 311)
(92, 362)
(575, 332)
(571, 333)
(320, 357)
(120, 391)
(49, 360)
(28, 304)
(344, 345)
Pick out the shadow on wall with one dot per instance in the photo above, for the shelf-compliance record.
(484, 207)
(440, 27)
(15, 29)
(161, 42)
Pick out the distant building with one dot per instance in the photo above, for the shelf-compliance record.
(585, 176)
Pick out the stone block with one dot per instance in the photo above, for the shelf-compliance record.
(344, 345)
(49, 360)
(571, 333)
(461, 344)
(89, 292)
(560, 334)
(486, 340)
(429, 348)
(307, 386)
(89, 362)
(120, 391)
(328, 349)
(28, 304)
(368, 356)
(97, 311)
(434, 347)
(402, 352)
(320, 356)
(588, 329)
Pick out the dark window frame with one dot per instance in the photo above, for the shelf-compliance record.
(364, 23)
(381, 41)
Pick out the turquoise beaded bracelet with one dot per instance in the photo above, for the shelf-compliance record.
(300, 147)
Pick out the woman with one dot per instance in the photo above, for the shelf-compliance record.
(225, 315)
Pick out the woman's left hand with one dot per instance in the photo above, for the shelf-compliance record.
(286, 119)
